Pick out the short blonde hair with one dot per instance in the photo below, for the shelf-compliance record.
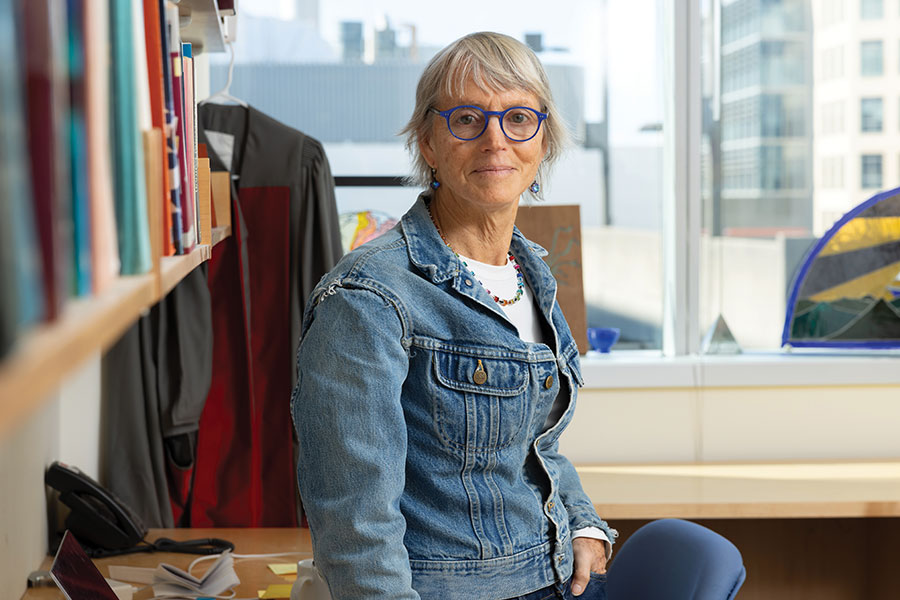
(495, 62)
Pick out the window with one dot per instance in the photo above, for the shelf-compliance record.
(871, 9)
(832, 11)
(833, 172)
(871, 171)
(870, 111)
(760, 205)
(832, 63)
(832, 117)
(761, 184)
(871, 62)
(346, 74)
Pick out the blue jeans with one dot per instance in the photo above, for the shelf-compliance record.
(595, 590)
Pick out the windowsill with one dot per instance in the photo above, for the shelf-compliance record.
(821, 367)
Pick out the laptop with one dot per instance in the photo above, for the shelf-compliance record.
(76, 575)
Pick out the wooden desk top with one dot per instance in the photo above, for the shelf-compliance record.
(253, 573)
(763, 490)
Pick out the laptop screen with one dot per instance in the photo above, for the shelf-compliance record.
(76, 575)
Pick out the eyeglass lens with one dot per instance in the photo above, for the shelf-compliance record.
(519, 123)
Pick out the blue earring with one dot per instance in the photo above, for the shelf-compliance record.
(535, 187)
(435, 184)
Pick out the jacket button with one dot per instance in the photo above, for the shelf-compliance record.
(550, 505)
(480, 375)
(548, 383)
(469, 282)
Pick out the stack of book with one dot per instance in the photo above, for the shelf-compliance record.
(99, 169)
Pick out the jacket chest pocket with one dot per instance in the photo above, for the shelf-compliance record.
(480, 403)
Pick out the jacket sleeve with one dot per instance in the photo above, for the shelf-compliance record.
(579, 506)
(352, 437)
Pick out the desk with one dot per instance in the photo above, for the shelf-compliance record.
(254, 574)
(817, 531)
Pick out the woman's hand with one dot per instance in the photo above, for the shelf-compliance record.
(590, 557)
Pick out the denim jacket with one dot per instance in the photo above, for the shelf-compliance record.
(425, 468)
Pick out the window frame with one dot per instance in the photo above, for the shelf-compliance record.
(681, 208)
(871, 44)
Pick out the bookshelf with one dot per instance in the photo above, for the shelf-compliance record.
(45, 355)
(50, 352)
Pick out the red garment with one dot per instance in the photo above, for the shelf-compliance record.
(285, 236)
(244, 465)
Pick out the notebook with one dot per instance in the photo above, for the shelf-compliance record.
(76, 575)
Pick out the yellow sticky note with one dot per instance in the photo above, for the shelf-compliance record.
(277, 590)
(284, 568)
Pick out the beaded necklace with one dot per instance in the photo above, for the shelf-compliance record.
(520, 280)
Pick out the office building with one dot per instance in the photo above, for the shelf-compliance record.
(765, 125)
(856, 103)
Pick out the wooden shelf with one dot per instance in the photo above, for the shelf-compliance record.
(745, 491)
(50, 352)
(173, 269)
(204, 27)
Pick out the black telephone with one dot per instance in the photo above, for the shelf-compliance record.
(97, 517)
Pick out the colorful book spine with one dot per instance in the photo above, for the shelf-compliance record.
(104, 244)
(153, 47)
(21, 294)
(130, 182)
(190, 126)
(177, 63)
(78, 146)
(47, 91)
(171, 131)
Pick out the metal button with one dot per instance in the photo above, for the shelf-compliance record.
(469, 282)
(559, 558)
(550, 505)
(548, 383)
(480, 375)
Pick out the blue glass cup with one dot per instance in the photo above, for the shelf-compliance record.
(602, 339)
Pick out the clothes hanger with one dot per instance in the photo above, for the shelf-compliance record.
(222, 96)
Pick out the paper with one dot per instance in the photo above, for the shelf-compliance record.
(284, 568)
(277, 590)
(133, 574)
(218, 579)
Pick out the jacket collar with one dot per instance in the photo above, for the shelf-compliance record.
(432, 256)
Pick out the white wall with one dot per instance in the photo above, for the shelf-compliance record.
(66, 427)
(734, 424)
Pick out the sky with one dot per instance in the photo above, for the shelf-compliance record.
(631, 37)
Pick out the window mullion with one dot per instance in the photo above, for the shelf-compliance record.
(681, 178)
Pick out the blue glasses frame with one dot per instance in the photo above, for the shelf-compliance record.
(500, 114)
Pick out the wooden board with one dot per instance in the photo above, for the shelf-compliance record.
(558, 230)
(762, 490)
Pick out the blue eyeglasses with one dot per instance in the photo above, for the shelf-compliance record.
(518, 123)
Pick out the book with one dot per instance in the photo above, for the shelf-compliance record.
(81, 283)
(130, 182)
(204, 210)
(190, 139)
(153, 48)
(170, 131)
(170, 581)
(177, 65)
(153, 169)
(104, 244)
(21, 295)
(47, 97)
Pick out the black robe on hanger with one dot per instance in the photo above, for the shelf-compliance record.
(285, 237)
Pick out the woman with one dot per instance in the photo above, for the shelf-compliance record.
(436, 370)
